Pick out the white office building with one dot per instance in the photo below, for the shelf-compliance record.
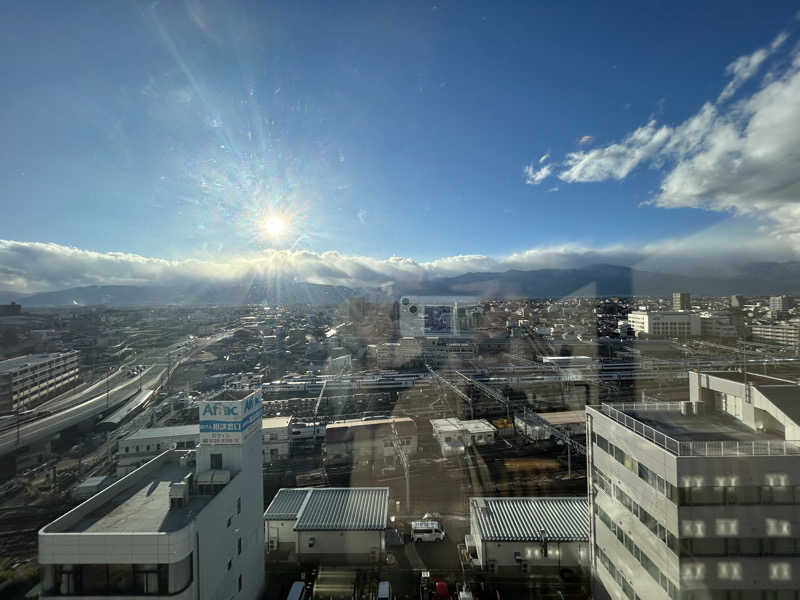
(275, 432)
(452, 434)
(665, 324)
(333, 525)
(147, 443)
(698, 499)
(186, 525)
(529, 536)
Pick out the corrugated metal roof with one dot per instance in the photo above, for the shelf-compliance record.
(286, 504)
(564, 519)
(356, 509)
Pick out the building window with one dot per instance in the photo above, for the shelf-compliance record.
(239, 546)
(240, 583)
(238, 506)
(230, 564)
(216, 461)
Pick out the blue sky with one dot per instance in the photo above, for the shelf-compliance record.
(171, 131)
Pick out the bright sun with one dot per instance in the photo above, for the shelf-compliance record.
(274, 226)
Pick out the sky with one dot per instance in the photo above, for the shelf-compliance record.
(366, 142)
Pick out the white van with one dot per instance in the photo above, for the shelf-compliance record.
(296, 591)
(427, 531)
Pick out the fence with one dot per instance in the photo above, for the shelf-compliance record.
(694, 448)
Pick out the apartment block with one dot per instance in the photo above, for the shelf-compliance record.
(28, 380)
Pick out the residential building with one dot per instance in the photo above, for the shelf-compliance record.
(785, 334)
(665, 324)
(779, 304)
(681, 301)
(529, 536)
(737, 301)
(717, 325)
(10, 310)
(187, 524)
(275, 431)
(26, 381)
(697, 499)
(330, 525)
(369, 441)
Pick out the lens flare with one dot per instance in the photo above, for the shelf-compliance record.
(274, 226)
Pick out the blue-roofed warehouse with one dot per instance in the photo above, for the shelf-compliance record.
(337, 525)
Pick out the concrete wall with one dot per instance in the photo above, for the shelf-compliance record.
(341, 546)
(282, 533)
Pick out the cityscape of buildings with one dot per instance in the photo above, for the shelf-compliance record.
(576, 448)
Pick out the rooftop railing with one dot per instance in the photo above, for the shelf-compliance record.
(725, 448)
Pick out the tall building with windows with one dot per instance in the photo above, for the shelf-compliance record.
(665, 324)
(186, 525)
(697, 499)
(737, 301)
(681, 301)
(777, 333)
(28, 380)
(778, 304)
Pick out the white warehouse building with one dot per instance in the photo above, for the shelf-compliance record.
(334, 525)
(530, 536)
(186, 525)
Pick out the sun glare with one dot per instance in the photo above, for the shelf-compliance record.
(274, 226)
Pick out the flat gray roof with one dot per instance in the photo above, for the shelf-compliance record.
(14, 364)
(149, 433)
(709, 427)
(143, 507)
(532, 519)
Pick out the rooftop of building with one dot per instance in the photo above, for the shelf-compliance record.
(710, 426)
(564, 417)
(150, 433)
(29, 360)
(137, 503)
(230, 395)
(276, 422)
(331, 509)
(529, 519)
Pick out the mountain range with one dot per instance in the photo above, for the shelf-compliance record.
(595, 280)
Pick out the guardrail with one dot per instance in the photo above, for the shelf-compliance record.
(728, 448)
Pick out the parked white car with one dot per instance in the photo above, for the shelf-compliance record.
(427, 531)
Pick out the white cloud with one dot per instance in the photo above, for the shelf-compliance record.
(534, 176)
(362, 216)
(740, 158)
(587, 139)
(617, 160)
(32, 266)
(544, 157)
(553, 189)
(744, 67)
